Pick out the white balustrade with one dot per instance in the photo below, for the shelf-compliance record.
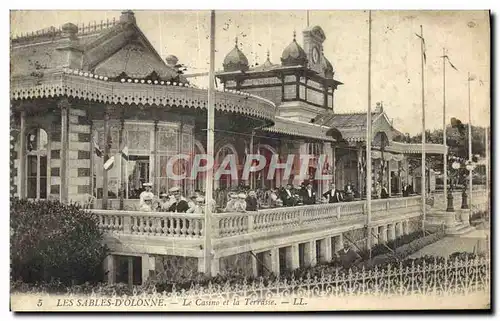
(150, 223)
(275, 219)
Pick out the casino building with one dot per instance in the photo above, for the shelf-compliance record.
(75, 85)
(80, 95)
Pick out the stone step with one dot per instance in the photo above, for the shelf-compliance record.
(459, 230)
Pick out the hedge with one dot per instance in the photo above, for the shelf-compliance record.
(51, 241)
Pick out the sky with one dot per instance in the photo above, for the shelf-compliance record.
(396, 57)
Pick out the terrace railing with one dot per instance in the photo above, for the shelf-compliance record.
(229, 224)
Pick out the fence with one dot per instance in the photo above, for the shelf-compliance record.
(459, 276)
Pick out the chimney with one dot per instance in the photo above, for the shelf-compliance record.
(127, 17)
(380, 108)
(70, 48)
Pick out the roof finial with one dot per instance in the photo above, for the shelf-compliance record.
(236, 41)
(294, 35)
(268, 54)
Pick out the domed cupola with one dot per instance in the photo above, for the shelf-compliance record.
(235, 60)
(294, 55)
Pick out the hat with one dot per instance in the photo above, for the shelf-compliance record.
(200, 199)
(174, 189)
(242, 195)
(147, 184)
(163, 195)
(234, 195)
(148, 197)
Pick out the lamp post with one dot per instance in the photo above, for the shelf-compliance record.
(470, 167)
(449, 208)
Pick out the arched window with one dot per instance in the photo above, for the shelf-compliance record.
(226, 181)
(36, 164)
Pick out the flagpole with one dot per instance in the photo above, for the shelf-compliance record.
(307, 18)
(445, 155)
(369, 136)
(487, 154)
(210, 152)
(470, 146)
(424, 188)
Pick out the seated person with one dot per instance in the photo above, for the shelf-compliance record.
(192, 201)
(240, 204)
(147, 205)
(165, 202)
(231, 204)
(198, 207)
(349, 193)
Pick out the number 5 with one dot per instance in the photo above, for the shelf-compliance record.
(39, 304)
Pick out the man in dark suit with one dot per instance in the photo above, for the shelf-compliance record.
(384, 193)
(286, 195)
(405, 189)
(333, 195)
(180, 205)
(308, 195)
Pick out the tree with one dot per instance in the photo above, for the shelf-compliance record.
(54, 241)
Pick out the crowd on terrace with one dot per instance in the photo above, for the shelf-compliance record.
(243, 198)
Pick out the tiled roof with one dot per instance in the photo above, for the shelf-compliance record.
(299, 128)
(343, 120)
(416, 148)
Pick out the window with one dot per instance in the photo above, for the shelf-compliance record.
(225, 181)
(138, 172)
(37, 171)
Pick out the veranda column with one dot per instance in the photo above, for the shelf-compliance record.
(21, 174)
(294, 256)
(399, 229)
(122, 163)
(326, 249)
(374, 236)
(110, 268)
(310, 253)
(406, 227)
(383, 233)
(339, 243)
(156, 169)
(391, 232)
(146, 267)
(275, 260)
(255, 266)
(360, 169)
(105, 159)
(64, 106)
(389, 181)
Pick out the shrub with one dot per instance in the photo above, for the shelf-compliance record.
(53, 241)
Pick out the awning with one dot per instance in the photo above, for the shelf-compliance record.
(299, 128)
